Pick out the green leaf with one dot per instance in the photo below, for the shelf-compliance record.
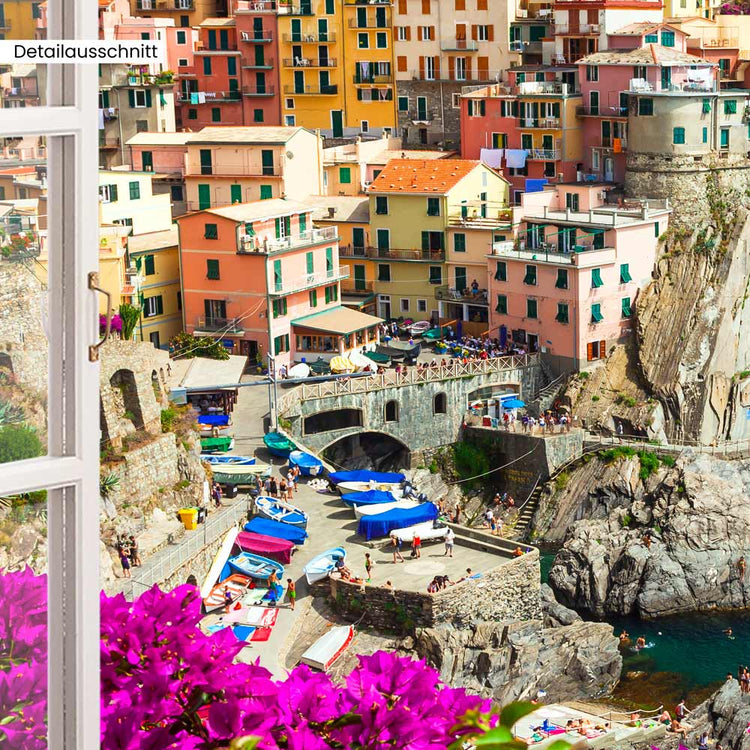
(496, 736)
(559, 745)
(515, 711)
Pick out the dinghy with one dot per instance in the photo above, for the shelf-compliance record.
(237, 585)
(309, 465)
(277, 510)
(364, 475)
(377, 509)
(324, 652)
(228, 460)
(219, 561)
(255, 566)
(278, 444)
(267, 546)
(321, 565)
(425, 531)
(239, 473)
(351, 488)
(301, 370)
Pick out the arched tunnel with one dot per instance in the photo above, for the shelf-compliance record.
(368, 450)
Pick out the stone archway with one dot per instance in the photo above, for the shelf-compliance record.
(125, 398)
(368, 449)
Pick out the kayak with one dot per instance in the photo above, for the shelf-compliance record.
(278, 444)
(277, 510)
(321, 565)
(228, 459)
(309, 465)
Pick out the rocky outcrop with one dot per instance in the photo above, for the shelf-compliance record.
(672, 545)
(509, 661)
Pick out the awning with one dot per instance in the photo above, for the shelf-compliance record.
(339, 320)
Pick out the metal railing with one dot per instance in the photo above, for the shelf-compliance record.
(268, 245)
(544, 154)
(296, 9)
(725, 448)
(249, 170)
(451, 294)
(583, 28)
(601, 110)
(309, 281)
(258, 90)
(454, 45)
(370, 79)
(165, 563)
(533, 88)
(312, 38)
(228, 325)
(329, 90)
(398, 254)
(208, 97)
(254, 37)
(421, 115)
(267, 62)
(369, 23)
(356, 286)
(545, 123)
(310, 62)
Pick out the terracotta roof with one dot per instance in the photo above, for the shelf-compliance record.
(415, 176)
(651, 54)
(258, 210)
(141, 243)
(18, 170)
(247, 134)
(640, 28)
(397, 153)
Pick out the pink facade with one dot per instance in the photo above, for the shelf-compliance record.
(648, 34)
(159, 158)
(568, 283)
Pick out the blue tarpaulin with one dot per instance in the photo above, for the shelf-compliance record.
(279, 530)
(214, 419)
(371, 497)
(308, 464)
(383, 523)
(365, 476)
(535, 186)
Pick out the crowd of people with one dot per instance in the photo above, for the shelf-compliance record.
(282, 489)
(127, 550)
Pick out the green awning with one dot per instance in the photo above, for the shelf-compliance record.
(625, 276)
(626, 311)
(596, 314)
(596, 278)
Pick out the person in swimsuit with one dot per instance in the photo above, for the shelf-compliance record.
(368, 566)
(291, 592)
(227, 598)
(640, 643)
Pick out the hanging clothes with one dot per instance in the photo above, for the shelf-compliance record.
(492, 156)
(101, 119)
(516, 157)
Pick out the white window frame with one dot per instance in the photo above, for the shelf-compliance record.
(421, 305)
(183, 62)
(460, 69)
(429, 69)
(483, 33)
(142, 93)
(70, 470)
(595, 163)
(456, 100)
(364, 126)
(404, 304)
(401, 33)
(290, 120)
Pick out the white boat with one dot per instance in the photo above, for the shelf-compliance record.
(350, 488)
(321, 565)
(239, 473)
(424, 531)
(220, 560)
(376, 510)
(324, 652)
(300, 370)
(225, 430)
(277, 510)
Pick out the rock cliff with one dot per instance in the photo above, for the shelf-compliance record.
(671, 543)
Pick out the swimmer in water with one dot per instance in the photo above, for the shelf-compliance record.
(729, 634)
(641, 642)
(624, 636)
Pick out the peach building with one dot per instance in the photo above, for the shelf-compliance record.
(567, 284)
(261, 278)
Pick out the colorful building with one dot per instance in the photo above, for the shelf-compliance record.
(337, 66)
(412, 205)
(18, 19)
(227, 165)
(440, 47)
(259, 276)
(568, 282)
(718, 40)
(20, 86)
(186, 13)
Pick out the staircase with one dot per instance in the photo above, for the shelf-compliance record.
(527, 510)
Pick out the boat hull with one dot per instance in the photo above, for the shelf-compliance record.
(356, 488)
(320, 566)
(228, 460)
(219, 561)
(327, 649)
(276, 510)
(237, 585)
(255, 566)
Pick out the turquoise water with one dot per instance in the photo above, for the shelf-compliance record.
(692, 646)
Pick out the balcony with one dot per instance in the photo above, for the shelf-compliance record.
(542, 123)
(544, 154)
(432, 256)
(178, 5)
(459, 45)
(609, 145)
(20, 93)
(309, 281)
(254, 6)
(110, 113)
(258, 91)
(532, 13)
(461, 296)
(109, 142)
(264, 36)
(225, 325)
(584, 29)
(265, 64)
(587, 110)
(209, 97)
(544, 88)
(312, 90)
(296, 9)
(310, 62)
(371, 80)
(313, 38)
(369, 23)
(548, 252)
(358, 287)
(253, 244)
(235, 170)
(416, 115)
(474, 219)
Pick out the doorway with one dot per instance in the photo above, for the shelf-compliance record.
(337, 123)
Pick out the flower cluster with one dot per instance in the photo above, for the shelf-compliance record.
(166, 684)
(734, 9)
(115, 324)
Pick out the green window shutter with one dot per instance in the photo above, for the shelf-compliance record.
(204, 196)
(131, 98)
(562, 312)
(266, 156)
(706, 106)
(625, 276)
(705, 134)
(425, 240)
(215, 114)
(502, 304)
(596, 314)
(278, 282)
(211, 232)
(139, 262)
(148, 97)
(335, 293)
(626, 311)
(302, 223)
(278, 228)
(459, 242)
(656, 229)
(501, 271)
(159, 302)
(113, 193)
(384, 272)
(105, 99)
(207, 66)
(530, 277)
(135, 190)
(329, 261)
(212, 269)
(730, 106)
(266, 192)
(562, 278)
(313, 298)
(381, 204)
(596, 278)
(345, 175)
(258, 115)
(162, 98)
(327, 292)
(310, 262)
(149, 269)
(531, 308)
(232, 66)
(235, 193)
(436, 275)
(678, 136)
(433, 206)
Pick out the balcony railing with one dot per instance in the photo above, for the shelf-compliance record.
(609, 143)
(369, 23)
(109, 141)
(544, 154)
(421, 116)
(584, 29)
(312, 38)
(546, 251)
(586, 110)
(19, 92)
(227, 325)
(257, 37)
(296, 9)
(545, 123)
(640, 86)
(459, 45)
(357, 286)
(111, 113)
(372, 79)
(522, 14)
(254, 244)
(246, 170)
(309, 281)
(450, 294)
(265, 64)
(312, 90)
(258, 91)
(310, 62)
(492, 218)
(542, 88)
(209, 97)
(254, 6)
(397, 254)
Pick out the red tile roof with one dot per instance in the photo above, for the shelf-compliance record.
(415, 176)
(18, 170)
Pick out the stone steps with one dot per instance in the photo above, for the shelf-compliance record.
(526, 513)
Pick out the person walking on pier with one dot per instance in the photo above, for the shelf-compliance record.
(450, 538)
(368, 567)
(397, 549)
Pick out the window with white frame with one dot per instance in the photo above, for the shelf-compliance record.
(404, 305)
(290, 120)
(456, 101)
(429, 68)
(402, 33)
(139, 98)
(364, 126)
(460, 69)
(483, 33)
(421, 305)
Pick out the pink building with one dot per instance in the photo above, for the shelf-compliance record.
(567, 284)
(180, 42)
(260, 276)
(608, 79)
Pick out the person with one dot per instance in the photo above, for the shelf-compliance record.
(216, 494)
(283, 490)
(274, 488)
(291, 592)
(397, 549)
(730, 676)
(703, 741)
(741, 566)
(272, 579)
(517, 552)
(665, 718)
(416, 546)
(624, 636)
(125, 562)
(259, 485)
(450, 538)
(677, 728)
(640, 642)
(135, 557)
(291, 481)
(468, 575)
(388, 585)
(368, 566)
(475, 287)
(681, 711)
(434, 586)
(191, 581)
(267, 486)
(728, 632)
(488, 517)
(457, 514)
(227, 598)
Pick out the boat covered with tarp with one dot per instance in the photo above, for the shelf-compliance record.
(278, 444)
(378, 358)
(309, 465)
(228, 460)
(364, 475)
(320, 366)
(268, 546)
(217, 444)
(397, 349)
(259, 525)
(371, 497)
(214, 420)
(240, 474)
(398, 518)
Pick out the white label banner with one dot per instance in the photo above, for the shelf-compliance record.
(143, 51)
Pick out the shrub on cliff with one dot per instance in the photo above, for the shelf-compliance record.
(19, 441)
(469, 462)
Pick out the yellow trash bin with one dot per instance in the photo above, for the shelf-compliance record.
(189, 516)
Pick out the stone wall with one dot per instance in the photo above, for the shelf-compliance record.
(443, 121)
(511, 591)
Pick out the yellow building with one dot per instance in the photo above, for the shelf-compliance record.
(186, 13)
(336, 67)
(413, 204)
(18, 19)
(116, 274)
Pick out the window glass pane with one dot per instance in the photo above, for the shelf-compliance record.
(23, 84)
(24, 324)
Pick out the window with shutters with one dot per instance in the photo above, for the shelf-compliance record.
(436, 275)
(329, 261)
(625, 276)
(211, 231)
(403, 101)
(501, 271)
(501, 306)
(459, 242)
(402, 7)
(278, 307)
(181, 37)
(345, 175)
(149, 267)
(381, 205)
(596, 278)
(313, 298)
(363, 40)
(384, 272)
(433, 206)
(135, 190)
(678, 136)
(402, 33)
(266, 192)
(626, 311)
(257, 115)
(281, 344)
(381, 40)
(141, 98)
(481, 4)
(153, 306)
(215, 114)
(278, 281)
(212, 269)
(596, 313)
(562, 278)
(426, 10)
(562, 312)
(592, 72)
(645, 106)
(530, 276)
(730, 106)
(401, 64)
(531, 308)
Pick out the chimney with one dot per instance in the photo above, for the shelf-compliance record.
(331, 212)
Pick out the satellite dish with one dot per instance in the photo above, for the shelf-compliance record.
(289, 155)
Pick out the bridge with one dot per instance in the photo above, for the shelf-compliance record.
(419, 409)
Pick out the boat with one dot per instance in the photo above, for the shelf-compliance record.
(214, 420)
(219, 561)
(217, 444)
(419, 328)
(329, 647)
(268, 546)
(228, 459)
(207, 432)
(351, 488)
(424, 531)
(255, 566)
(340, 365)
(434, 334)
(240, 473)
(260, 525)
(278, 444)
(398, 349)
(309, 465)
(371, 497)
(361, 363)
(364, 475)
(398, 518)
(300, 370)
(378, 358)
(237, 585)
(374, 510)
(278, 510)
(321, 565)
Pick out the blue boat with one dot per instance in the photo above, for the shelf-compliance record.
(228, 459)
(286, 531)
(277, 510)
(309, 465)
(371, 497)
(363, 475)
(214, 420)
(399, 518)
(255, 566)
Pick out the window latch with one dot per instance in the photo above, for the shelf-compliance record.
(94, 287)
